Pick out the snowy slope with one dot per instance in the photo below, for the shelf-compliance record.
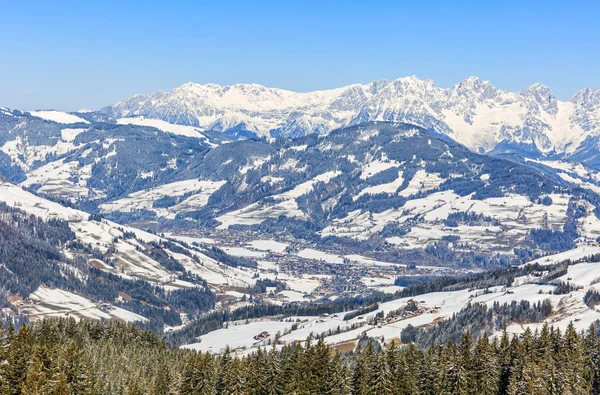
(58, 116)
(127, 253)
(516, 216)
(196, 196)
(166, 127)
(130, 262)
(53, 302)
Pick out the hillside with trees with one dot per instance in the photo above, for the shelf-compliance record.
(62, 356)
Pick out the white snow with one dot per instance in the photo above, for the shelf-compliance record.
(375, 167)
(516, 213)
(285, 204)
(293, 296)
(421, 182)
(582, 274)
(54, 302)
(56, 178)
(390, 188)
(269, 245)
(304, 284)
(436, 306)
(58, 116)
(369, 262)
(25, 155)
(200, 190)
(574, 254)
(238, 336)
(70, 134)
(166, 127)
(307, 186)
(473, 112)
(310, 253)
(243, 252)
(299, 147)
(190, 239)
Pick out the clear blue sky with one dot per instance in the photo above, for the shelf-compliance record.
(72, 55)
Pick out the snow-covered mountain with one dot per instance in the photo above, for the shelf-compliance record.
(250, 107)
(390, 183)
(386, 183)
(473, 112)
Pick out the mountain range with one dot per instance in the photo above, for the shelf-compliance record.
(398, 186)
(474, 113)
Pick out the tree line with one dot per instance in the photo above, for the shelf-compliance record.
(62, 356)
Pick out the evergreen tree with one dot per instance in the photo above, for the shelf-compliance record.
(574, 363)
(66, 357)
(450, 369)
(411, 368)
(505, 357)
(225, 367)
(162, 382)
(74, 369)
(428, 382)
(383, 377)
(320, 368)
(339, 384)
(547, 354)
(36, 383)
(199, 377)
(292, 370)
(235, 383)
(275, 380)
(592, 360)
(485, 368)
(14, 370)
(258, 381)
(363, 380)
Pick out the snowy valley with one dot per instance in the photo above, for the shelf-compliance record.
(236, 221)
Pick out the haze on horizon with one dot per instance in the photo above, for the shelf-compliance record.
(70, 55)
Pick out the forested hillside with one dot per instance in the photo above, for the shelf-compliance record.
(47, 268)
(403, 188)
(60, 356)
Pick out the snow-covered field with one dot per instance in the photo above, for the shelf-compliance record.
(53, 302)
(284, 204)
(239, 336)
(577, 253)
(26, 156)
(269, 245)
(243, 252)
(310, 253)
(389, 188)
(55, 178)
(199, 192)
(58, 116)
(375, 167)
(517, 214)
(182, 130)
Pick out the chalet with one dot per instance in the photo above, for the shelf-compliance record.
(262, 335)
